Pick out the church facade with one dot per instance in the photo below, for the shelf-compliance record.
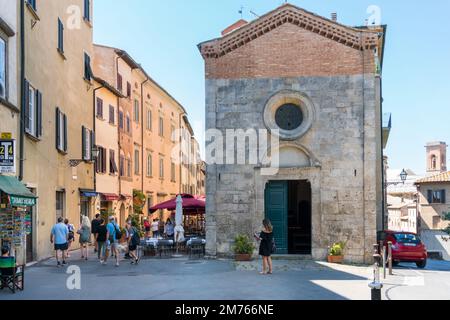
(315, 84)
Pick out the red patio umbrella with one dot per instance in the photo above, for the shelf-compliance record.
(191, 205)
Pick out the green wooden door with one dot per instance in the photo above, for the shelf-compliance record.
(276, 210)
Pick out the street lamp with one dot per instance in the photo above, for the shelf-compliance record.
(403, 176)
(95, 153)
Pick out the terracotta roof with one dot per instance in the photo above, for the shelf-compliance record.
(442, 177)
(357, 38)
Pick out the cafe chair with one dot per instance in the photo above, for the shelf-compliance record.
(11, 276)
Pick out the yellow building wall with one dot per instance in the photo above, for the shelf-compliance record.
(60, 79)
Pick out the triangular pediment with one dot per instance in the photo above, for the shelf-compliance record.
(357, 38)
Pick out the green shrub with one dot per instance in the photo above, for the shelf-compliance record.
(243, 245)
(337, 249)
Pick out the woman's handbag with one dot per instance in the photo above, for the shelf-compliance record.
(274, 246)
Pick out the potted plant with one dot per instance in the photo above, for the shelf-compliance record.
(243, 248)
(336, 253)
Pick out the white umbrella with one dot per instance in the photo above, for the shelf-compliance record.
(179, 230)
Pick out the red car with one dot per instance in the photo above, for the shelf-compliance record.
(406, 247)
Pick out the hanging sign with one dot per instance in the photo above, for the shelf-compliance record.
(7, 156)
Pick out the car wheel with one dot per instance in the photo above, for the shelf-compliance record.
(421, 264)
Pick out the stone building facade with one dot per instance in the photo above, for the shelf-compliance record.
(317, 85)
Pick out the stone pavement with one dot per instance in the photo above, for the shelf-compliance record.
(184, 279)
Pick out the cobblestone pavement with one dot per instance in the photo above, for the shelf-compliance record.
(184, 279)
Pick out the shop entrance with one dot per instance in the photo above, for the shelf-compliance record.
(288, 206)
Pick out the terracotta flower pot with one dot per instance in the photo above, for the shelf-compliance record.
(335, 259)
(243, 257)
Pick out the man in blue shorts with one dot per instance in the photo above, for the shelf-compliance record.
(60, 238)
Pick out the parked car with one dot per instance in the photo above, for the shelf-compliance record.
(406, 247)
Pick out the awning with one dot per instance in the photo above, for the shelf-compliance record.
(88, 193)
(191, 205)
(19, 195)
(125, 197)
(109, 197)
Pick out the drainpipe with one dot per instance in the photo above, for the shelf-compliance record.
(22, 90)
(142, 132)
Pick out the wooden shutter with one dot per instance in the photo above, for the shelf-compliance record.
(57, 126)
(128, 89)
(119, 82)
(103, 160)
(60, 36)
(91, 142)
(111, 115)
(38, 114)
(65, 145)
(83, 143)
(443, 197)
(430, 196)
(26, 100)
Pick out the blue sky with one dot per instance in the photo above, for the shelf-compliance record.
(163, 37)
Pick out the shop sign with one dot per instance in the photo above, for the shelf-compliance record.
(22, 202)
(7, 156)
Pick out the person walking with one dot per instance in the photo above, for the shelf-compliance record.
(113, 242)
(169, 229)
(94, 226)
(60, 238)
(101, 238)
(133, 241)
(266, 247)
(155, 228)
(71, 235)
(85, 236)
(147, 227)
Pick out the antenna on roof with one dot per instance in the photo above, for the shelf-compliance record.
(251, 11)
(241, 12)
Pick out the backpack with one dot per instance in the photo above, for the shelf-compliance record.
(118, 233)
(136, 239)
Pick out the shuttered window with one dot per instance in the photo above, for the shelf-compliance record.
(87, 10)
(87, 141)
(87, 67)
(121, 120)
(100, 163)
(119, 82)
(33, 4)
(128, 90)
(136, 162)
(3, 68)
(149, 120)
(112, 119)
(172, 172)
(136, 111)
(112, 162)
(61, 131)
(33, 111)
(437, 197)
(100, 108)
(161, 126)
(149, 165)
(128, 124)
(60, 36)
(122, 166)
(161, 168)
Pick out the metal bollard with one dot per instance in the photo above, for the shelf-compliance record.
(391, 273)
(384, 256)
(376, 285)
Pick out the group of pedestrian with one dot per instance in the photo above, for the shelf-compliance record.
(106, 235)
(153, 229)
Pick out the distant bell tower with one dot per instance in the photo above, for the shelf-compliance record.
(436, 157)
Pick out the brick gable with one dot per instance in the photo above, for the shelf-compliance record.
(290, 51)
